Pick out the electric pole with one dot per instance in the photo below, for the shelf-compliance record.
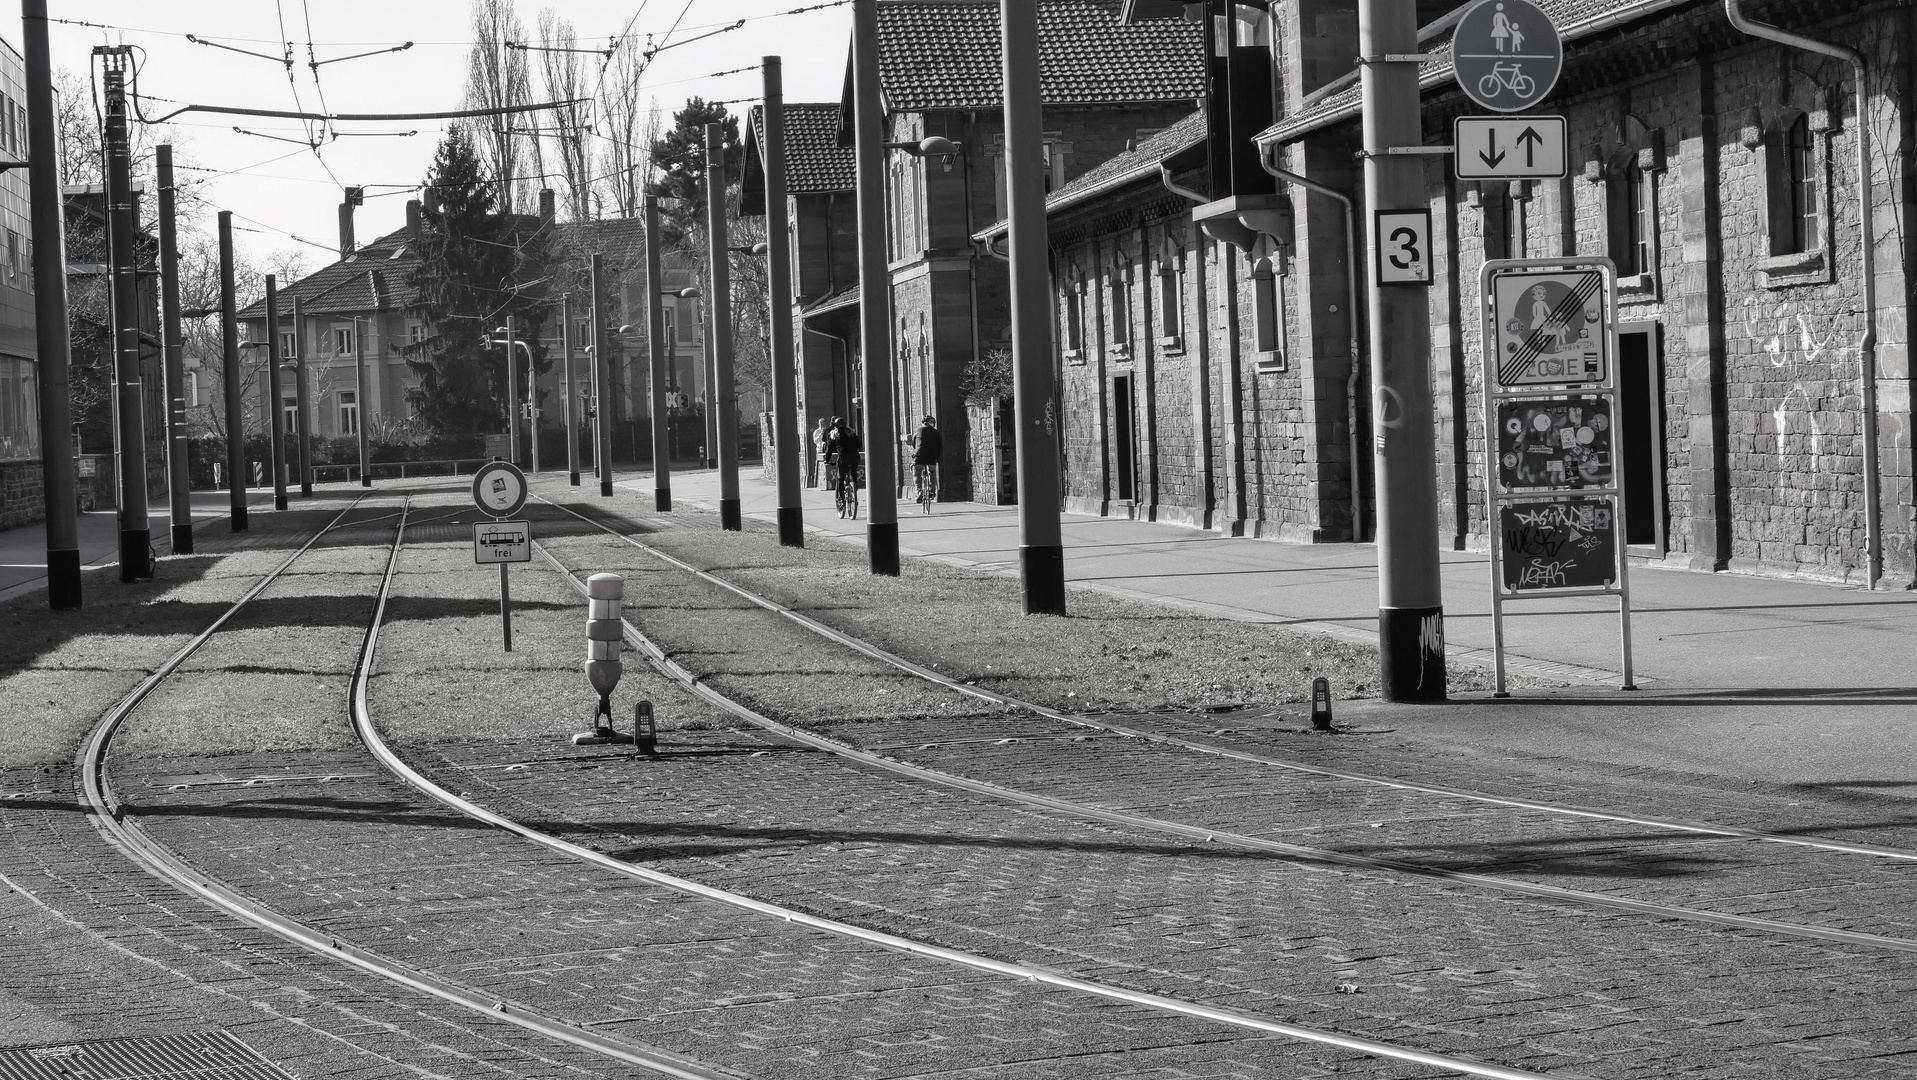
(788, 442)
(726, 421)
(303, 430)
(875, 309)
(572, 395)
(1410, 596)
(53, 348)
(179, 480)
(274, 411)
(230, 376)
(658, 347)
(602, 375)
(136, 553)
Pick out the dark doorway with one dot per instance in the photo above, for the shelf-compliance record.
(1124, 446)
(1640, 387)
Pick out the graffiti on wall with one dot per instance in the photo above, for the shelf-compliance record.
(1795, 418)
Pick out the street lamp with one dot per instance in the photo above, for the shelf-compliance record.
(508, 335)
(270, 418)
(594, 400)
(937, 146)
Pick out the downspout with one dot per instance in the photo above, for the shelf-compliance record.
(1351, 320)
(1165, 177)
(1867, 349)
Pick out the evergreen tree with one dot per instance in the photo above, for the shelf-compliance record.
(679, 164)
(476, 268)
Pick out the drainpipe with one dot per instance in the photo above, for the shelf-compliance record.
(1867, 349)
(1164, 177)
(1351, 320)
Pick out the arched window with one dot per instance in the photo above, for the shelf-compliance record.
(1799, 163)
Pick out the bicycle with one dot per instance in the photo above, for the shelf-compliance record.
(928, 481)
(846, 497)
(1506, 77)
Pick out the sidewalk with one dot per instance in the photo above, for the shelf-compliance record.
(23, 551)
(1792, 681)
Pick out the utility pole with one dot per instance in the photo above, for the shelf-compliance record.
(875, 310)
(303, 430)
(136, 553)
(532, 405)
(52, 346)
(359, 397)
(726, 422)
(572, 395)
(512, 391)
(658, 347)
(276, 398)
(1041, 549)
(179, 481)
(602, 373)
(787, 440)
(230, 376)
(1410, 597)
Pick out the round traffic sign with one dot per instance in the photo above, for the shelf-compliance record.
(499, 489)
(1506, 54)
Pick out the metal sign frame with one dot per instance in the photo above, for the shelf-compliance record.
(1498, 498)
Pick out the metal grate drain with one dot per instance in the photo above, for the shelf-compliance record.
(198, 1055)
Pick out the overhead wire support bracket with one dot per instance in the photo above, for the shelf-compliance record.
(286, 59)
(606, 52)
(276, 138)
(1393, 58)
(1394, 151)
(651, 52)
(356, 56)
(454, 114)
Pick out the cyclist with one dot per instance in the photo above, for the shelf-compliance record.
(830, 441)
(925, 462)
(851, 452)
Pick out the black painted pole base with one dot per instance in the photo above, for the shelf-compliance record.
(1041, 571)
(1411, 654)
(365, 481)
(792, 526)
(573, 478)
(63, 579)
(239, 518)
(605, 488)
(662, 499)
(182, 539)
(729, 515)
(279, 501)
(136, 554)
(306, 491)
(882, 544)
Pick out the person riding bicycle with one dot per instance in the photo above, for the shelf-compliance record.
(830, 442)
(847, 450)
(925, 460)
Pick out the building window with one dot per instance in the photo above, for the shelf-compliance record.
(288, 345)
(1171, 301)
(348, 412)
(344, 341)
(1074, 318)
(1801, 178)
(672, 317)
(13, 253)
(290, 415)
(1121, 325)
(192, 390)
(416, 333)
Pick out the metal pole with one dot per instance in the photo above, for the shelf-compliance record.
(602, 372)
(708, 359)
(788, 441)
(136, 558)
(532, 404)
(726, 420)
(179, 482)
(659, 348)
(505, 607)
(1410, 596)
(230, 376)
(275, 396)
(512, 392)
(572, 394)
(359, 395)
(304, 428)
(52, 346)
(875, 309)
(1041, 550)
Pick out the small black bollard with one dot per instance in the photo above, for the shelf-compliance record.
(1321, 704)
(645, 734)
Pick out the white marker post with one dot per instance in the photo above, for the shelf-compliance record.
(499, 489)
(605, 594)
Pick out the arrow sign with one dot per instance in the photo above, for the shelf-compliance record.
(1510, 147)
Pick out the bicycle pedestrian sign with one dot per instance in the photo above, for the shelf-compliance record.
(1506, 54)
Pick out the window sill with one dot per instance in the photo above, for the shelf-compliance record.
(1639, 288)
(1270, 362)
(1796, 268)
(1172, 346)
(1075, 357)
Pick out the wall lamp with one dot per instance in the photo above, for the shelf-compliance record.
(937, 146)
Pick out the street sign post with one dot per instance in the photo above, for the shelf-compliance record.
(1509, 147)
(1551, 414)
(1506, 55)
(499, 490)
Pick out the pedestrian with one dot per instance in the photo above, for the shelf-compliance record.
(815, 456)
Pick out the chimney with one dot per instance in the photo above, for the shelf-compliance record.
(546, 209)
(345, 229)
(412, 218)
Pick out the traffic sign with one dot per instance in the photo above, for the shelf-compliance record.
(502, 542)
(1509, 147)
(1506, 54)
(1401, 251)
(1549, 328)
(499, 489)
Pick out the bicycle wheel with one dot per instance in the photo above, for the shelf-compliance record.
(1522, 86)
(852, 500)
(1490, 85)
(838, 497)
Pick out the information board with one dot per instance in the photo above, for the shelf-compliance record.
(1555, 444)
(1561, 544)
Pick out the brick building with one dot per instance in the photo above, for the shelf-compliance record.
(1715, 168)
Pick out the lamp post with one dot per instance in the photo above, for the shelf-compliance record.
(725, 425)
(875, 316)
(230, 375)
(507, 335)
(572, 401)
(359, 398)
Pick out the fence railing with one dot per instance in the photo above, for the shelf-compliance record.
(390, 469)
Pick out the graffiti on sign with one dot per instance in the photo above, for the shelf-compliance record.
(1554, 444)
(1550, 328)
(1567, 544)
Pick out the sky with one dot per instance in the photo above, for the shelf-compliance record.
(284, 190)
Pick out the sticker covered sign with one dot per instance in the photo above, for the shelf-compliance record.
(1554, 443)
(1549, 329)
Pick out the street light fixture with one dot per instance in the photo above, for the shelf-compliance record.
(508, 335)
(937, 146)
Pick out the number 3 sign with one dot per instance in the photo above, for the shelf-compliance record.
(1401, 247)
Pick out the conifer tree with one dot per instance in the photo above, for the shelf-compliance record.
(679, 164)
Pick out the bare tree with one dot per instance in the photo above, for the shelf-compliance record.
(496, 78)
(630, 127)
(565, 77)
